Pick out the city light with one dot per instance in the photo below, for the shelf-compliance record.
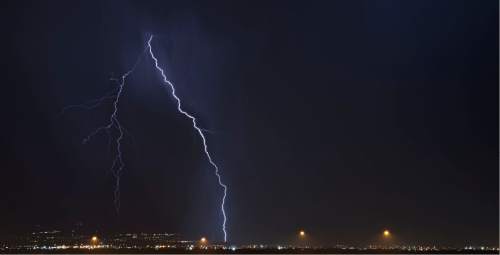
(69, 242)
(387, 233)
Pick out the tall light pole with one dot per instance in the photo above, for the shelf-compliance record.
(203, 242)
(93, 241)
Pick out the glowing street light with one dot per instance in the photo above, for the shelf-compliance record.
(387, 233)
(93, 242)
(302, 233)
(203, 240)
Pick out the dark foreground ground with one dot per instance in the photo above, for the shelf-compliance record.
(241, 251)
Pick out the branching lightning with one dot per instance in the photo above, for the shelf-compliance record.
(114, 124)
(114, 95)
(197, 128)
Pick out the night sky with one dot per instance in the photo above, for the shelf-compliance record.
(339, 117)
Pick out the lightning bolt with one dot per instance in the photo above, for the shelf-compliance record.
(114, 124)
(198, 130)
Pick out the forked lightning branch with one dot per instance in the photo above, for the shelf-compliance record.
(114, 124)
